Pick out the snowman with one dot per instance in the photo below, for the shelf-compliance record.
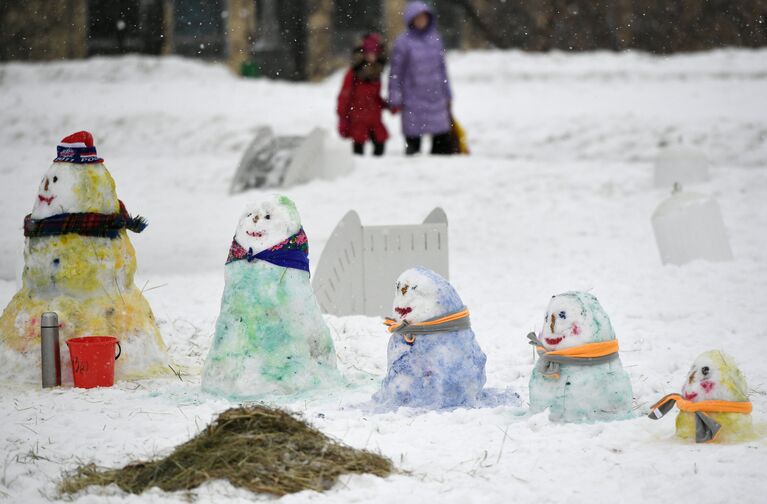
(578, 376)
(79, 262)
(714, 405)
(270, 335)
(434, 360)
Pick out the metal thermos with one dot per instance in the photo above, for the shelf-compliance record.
(49, 348)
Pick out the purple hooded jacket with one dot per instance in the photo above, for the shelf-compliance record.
(418, 77)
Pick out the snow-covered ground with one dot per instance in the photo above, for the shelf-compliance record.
(556, 196)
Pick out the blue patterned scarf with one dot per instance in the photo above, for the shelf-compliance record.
(290, 253)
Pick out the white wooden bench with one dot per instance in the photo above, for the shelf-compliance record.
(360, 264)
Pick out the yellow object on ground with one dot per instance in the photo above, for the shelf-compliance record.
(459, 133)
(736, 427)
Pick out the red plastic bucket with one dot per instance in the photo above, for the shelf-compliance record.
(93, 360)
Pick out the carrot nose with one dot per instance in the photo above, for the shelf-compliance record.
(255, 219)
(403, 290)
(691, 378)
(46, 184)
(553, 320)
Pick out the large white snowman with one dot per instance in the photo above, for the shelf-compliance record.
(579, 376)
(270, 335)
(79, 262)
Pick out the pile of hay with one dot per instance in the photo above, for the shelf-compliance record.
(258, 448)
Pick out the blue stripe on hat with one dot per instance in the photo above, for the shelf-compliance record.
(78, 155)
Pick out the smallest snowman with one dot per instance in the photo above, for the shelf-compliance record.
(579, 376)
(714, 405)
(434, 360)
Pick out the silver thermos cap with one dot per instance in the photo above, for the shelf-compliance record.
(49, 349)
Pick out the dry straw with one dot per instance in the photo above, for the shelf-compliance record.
(258, 448)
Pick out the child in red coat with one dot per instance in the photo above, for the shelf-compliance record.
(360, 103)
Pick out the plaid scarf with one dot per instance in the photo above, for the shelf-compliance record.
(85, 224)
(292, 252)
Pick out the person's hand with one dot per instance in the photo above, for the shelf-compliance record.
(344, 129)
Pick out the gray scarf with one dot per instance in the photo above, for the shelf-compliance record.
(551, 363)
(413, 330)
(706, 427)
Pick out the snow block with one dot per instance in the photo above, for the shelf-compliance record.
(285, 161)
(680, 165)
(689, 226)
(265, 160)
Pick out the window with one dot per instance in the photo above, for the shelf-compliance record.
(121, 26)
(199, 27)
(113, 26)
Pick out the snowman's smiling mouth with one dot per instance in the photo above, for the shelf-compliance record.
(690, 396)
(254, 234)
(403, 311)
(43, 199)
(554, 341)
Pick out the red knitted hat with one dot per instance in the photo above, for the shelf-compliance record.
(77, 148)
(372, 44)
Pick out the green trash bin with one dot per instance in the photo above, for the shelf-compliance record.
(250, 69)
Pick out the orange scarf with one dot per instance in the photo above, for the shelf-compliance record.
(583, 355)
(451, 322)
(706, 428)
(589, 350)
(713, 406)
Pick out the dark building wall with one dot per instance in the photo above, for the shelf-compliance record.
(282, 45)
(320, 58)
(42, 29)
(67, 29)
(660, 26)
(199, 28)
(314, 34)
(123, 26)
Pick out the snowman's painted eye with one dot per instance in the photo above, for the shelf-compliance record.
(562, 315)
(705, 370)
(268, 216)
(414, 287)
(55, 179)
(546, 317)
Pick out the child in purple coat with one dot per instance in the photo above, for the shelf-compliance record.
(418, 84)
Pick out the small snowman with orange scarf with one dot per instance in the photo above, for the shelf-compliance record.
(714, 404)
(578, 376)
